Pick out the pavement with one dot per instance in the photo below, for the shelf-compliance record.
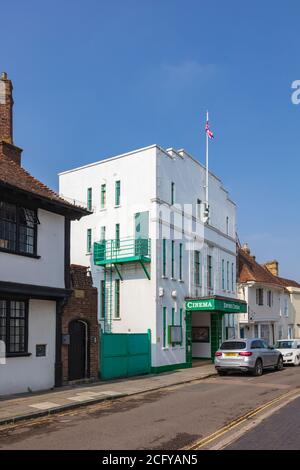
(36, 405)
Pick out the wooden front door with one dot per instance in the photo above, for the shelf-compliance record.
(77, 350)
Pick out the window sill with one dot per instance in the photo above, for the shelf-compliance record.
(27, 255)
(173, 278)
(102, 209)
(180, 280)
(164, 277)
(117, 319)
(18, 354)
(117, 207)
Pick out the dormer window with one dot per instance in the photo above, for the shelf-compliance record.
(18, 229)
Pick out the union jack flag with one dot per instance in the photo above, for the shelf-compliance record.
(208, 131)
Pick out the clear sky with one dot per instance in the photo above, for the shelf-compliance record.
(96, 78)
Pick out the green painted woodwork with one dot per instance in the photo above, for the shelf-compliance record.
(164, 257)
(169, 368)
(103, 196)
(216, 305)
(172, 258)
(89, 240)
(122, 250)
(117, 193)
(164, 325)
(188, 338)
(216, 333)
(124, 354)
(180, 261)
(89, 199)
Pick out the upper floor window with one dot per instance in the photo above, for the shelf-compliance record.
(89, 240)
(197, 268)
(118, 193)
(227, 225)
(103, 196)
(172, 193)
(209, 272)
(198, 212)
(259, 296)
(89, 199)
(227, 275)
(18, 229)
(223, 274)
(270, 298)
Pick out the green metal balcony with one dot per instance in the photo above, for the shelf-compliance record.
(124, 250)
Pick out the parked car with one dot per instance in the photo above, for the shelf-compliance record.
(247, 355)
(290, 350)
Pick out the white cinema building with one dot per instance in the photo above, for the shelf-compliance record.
(161, 265)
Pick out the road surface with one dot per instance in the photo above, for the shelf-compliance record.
(168, 419)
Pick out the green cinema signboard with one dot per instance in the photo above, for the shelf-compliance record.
(216, 305)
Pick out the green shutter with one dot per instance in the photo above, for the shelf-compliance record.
(223, 274)
(197, 268)
(117, 235)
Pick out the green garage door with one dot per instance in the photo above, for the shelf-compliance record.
(124, 354)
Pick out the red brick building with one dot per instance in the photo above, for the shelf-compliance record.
(80, 349)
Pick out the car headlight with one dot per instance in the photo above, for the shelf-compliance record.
(288, 354)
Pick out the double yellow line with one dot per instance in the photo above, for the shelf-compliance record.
(220, 432)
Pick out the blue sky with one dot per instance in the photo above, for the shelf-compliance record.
(96, 78)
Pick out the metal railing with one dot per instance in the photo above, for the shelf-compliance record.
(122, 250)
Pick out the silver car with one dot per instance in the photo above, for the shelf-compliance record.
(245, 355)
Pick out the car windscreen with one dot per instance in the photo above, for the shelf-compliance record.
(285, 344)
(233, 345)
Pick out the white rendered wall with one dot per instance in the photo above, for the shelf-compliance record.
(146, 176)
(48, 270)
(22, 374)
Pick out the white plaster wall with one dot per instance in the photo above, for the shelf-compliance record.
(146, 177)
(48, 270)
(20, 374)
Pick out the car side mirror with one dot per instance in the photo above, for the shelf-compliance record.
(270, 347)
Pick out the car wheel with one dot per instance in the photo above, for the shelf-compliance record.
(222, 372)
(279, 363)
(258, 369)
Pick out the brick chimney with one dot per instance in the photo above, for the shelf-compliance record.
(7, 146)
(273, 267)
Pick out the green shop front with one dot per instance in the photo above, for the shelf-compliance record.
(209, 321)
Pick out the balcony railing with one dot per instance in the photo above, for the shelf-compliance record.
(124, 250)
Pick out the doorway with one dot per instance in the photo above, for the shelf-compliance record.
(78, 350)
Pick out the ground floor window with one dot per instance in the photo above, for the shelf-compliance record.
(14, 325)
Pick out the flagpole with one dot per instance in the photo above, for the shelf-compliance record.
(206, 164)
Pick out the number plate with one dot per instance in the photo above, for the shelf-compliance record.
(230, 354)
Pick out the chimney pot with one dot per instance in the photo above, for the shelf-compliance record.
(3, 76)
(246, 248)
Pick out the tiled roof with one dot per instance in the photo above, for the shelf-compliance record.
(15, 176)
(80, 277)
(288, 282)
(250, 270)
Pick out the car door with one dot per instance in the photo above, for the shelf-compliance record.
(270, 354)
(265, 353)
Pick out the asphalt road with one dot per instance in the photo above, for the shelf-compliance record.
(168, 419)
(279, 432)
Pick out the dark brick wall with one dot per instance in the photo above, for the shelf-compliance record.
(6, 124)
(82, 305)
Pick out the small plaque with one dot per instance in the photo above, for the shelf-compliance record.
(41, 350)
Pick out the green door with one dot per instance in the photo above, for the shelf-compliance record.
(216, 332)
(188, 342)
